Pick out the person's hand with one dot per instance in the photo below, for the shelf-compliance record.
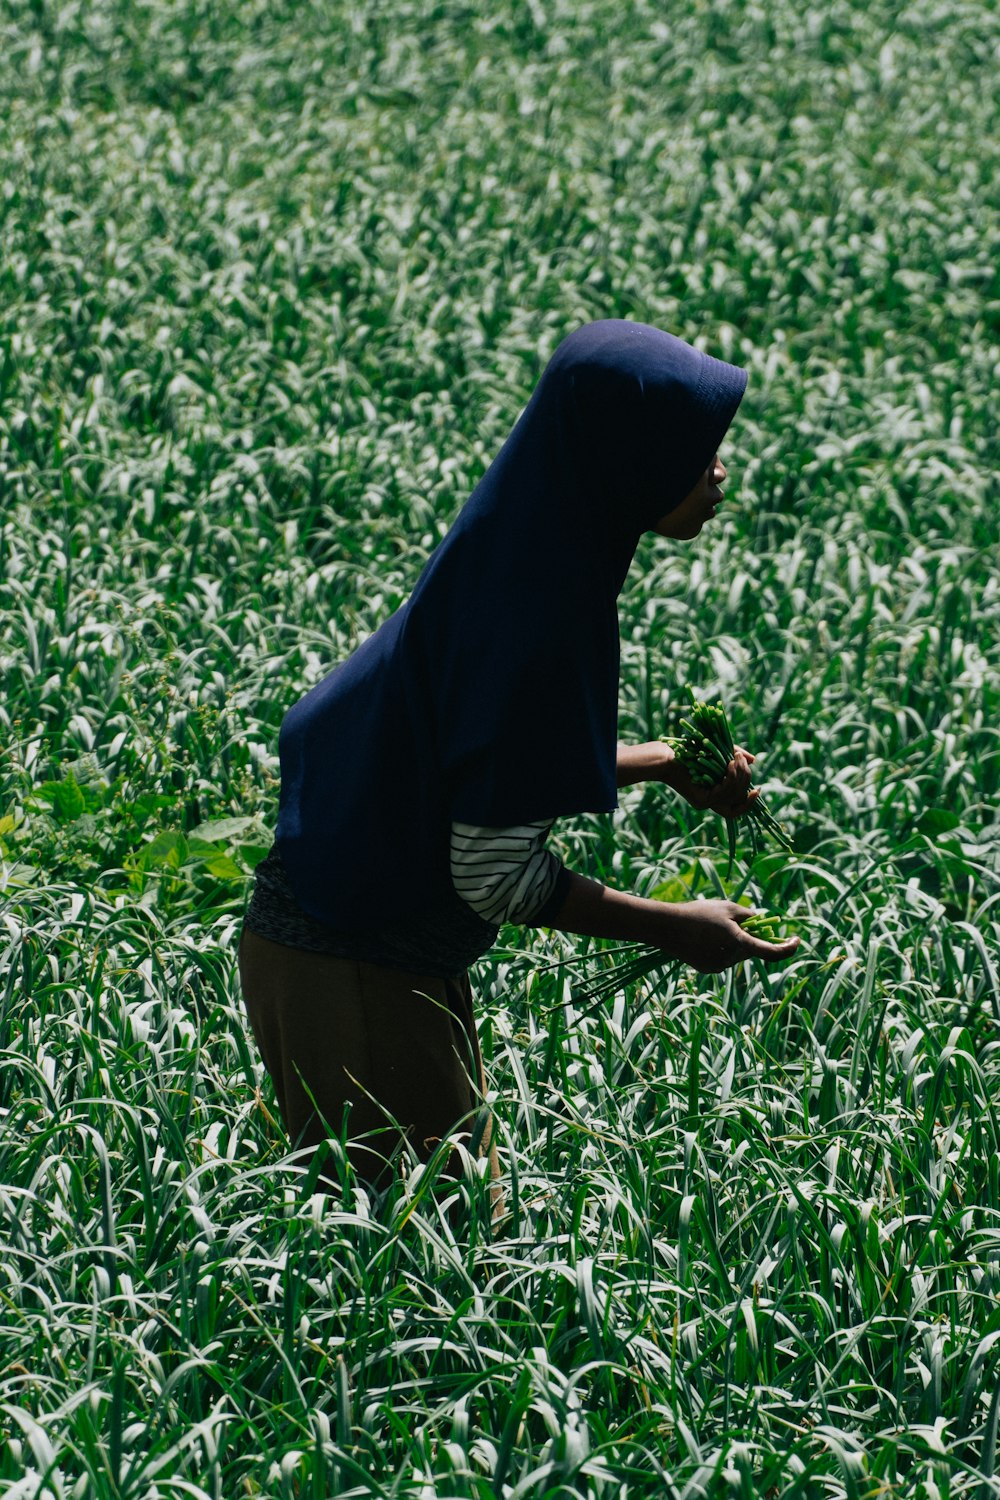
(710, 937)
(731, 797)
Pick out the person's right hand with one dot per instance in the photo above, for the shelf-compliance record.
(710, 937)
(730, 798)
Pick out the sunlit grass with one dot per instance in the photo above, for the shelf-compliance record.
(276, 280)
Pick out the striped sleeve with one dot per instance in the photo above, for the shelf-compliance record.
(504, 874)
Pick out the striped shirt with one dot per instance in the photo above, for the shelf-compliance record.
(505, 874)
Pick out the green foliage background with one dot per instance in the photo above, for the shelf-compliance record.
(275, 281)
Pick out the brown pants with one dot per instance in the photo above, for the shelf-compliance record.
(386, 1055)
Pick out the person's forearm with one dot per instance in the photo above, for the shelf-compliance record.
(708, 935)
(590, 909)
(643, 762)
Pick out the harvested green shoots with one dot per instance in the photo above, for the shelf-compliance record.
(764, 925)
(705, 750)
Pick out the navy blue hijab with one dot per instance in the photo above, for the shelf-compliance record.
(491, 695)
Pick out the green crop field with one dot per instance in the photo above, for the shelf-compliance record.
(276, 278)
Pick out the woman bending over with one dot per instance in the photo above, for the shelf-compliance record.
(419, 780)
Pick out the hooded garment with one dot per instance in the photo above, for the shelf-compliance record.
(491, 696)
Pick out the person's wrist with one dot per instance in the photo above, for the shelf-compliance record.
(663, 925)
(665, 764)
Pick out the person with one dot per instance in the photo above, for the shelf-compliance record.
(420, 778)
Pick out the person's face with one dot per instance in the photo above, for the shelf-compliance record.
(686, 520)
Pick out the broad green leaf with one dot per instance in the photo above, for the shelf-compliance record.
(252, 854)
(65, 797)
(223, 867)
(221, 830)
(167, 851)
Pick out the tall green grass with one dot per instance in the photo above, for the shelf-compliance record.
(275, 281)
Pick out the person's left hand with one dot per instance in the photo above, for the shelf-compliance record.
(731, 797)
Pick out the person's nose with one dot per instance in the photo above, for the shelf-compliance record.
(718, 470)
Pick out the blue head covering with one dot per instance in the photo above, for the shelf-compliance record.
(491, 695)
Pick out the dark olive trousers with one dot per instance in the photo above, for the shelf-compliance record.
(385, 1055)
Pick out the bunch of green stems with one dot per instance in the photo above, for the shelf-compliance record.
(764, 925)
(705, 749)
